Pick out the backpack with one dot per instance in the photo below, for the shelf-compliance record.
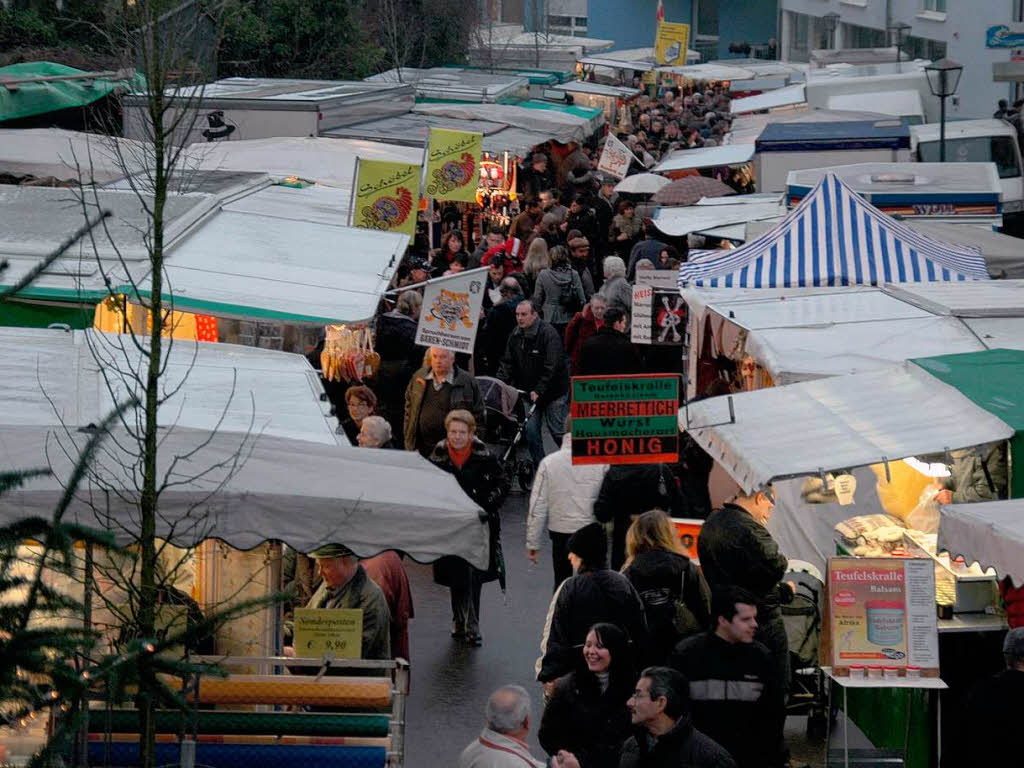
(568, 299)
(664, 610)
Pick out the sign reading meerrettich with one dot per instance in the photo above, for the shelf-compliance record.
(625, 419)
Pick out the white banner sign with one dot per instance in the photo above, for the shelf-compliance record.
(659, 314)
(451, 312)
(615, 158)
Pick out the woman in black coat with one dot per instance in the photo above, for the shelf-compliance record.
(587, 713)
(479, 474)
(675, 596)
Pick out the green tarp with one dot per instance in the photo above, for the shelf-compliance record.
(993, 380)
(28, 99)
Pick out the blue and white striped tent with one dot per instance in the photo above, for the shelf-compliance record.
(834, 237)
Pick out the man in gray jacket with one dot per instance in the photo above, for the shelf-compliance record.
(433, 391)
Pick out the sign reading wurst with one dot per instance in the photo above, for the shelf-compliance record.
(625, 419)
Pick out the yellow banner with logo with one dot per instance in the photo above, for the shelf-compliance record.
(386, 196)
(671, 42)
(453, 165)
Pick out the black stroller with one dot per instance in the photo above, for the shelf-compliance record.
(505, 415)
(802, 619)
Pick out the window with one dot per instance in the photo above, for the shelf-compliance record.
(864, 37)
(567, 25)
(938, 6)
(923, 48)
(1000, 150)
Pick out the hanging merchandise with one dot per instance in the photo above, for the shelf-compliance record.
(348, 354)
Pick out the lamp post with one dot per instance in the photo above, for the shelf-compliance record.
(943, 79)
(898, 37)
(830, 20)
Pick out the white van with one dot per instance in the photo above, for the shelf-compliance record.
(979, 141)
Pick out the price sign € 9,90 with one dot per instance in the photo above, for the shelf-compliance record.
(319, 631)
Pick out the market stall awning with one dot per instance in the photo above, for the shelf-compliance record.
(781, 97)
(612, 63)
(905, 103)
(88, 157)
(706, 157)
(598, 89)
(989, 533)
(265, 488)
(561, 124)
(990, 298)
(1003, 253)
(710, 71)
(837, 423)
(834, 237)
(676, 222)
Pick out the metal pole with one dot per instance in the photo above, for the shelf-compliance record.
(942, 129)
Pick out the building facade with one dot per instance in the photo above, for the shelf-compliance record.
(951, 28)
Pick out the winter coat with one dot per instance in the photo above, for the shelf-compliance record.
(534, 361)
(483, 480)
(682, 747)
(496, 750)
(498, 327)
(360, 592)
(693, 471)
(648, 249)
(583, 269)
(967, 479)
(660, 572)
(586, 222)
(465, 393)
(388, 573)
(399, 359)
(608, 353)
(582, 720)
(563, 494)
(582, 326)
(736, 550)
(559, 294)
(619, 294)
(731, 684)
(589, 597)
(995, 712)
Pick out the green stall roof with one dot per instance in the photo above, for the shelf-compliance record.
(25, 99)
(589, 113)
(993, 380)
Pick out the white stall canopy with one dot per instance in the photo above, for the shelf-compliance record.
(990, 298)
(1003, 254)
(903, 103)
(836, 423)
(990, 533)
(678, 221)
(781, 97)
(706, 157)
(88, 157)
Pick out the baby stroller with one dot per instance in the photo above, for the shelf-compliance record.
(802, 619)
(505, 417)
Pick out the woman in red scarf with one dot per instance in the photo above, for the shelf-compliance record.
(479, 474)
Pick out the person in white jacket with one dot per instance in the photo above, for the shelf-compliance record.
(563, 496)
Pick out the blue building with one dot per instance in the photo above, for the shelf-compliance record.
(716, 26)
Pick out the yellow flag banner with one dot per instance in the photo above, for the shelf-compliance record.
(453, 165)
(386, 195)
(671, 42)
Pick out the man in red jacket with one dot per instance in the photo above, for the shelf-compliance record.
(583, 325)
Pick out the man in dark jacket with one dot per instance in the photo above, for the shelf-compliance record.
(537, 177)
(534, 362)
(736, 550)
(433, 391)
(664, 736)
(996, 709)
(593, 595)
(498, 326)
(733, 680)
(609, 352)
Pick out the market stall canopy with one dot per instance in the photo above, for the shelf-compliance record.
(53, 152)
(710, 71)
(598, 89)
(612, 63)
(993, 298)
(53, 378)
(676, 222)
(1003, 253)
(834, 237)
(990, 533)
(642, 184)
(37, 87)
(457, 84)
(747, 128)
(561, 125)
(781, 97)
(837, 423)
(903, 103)
(690, 189)
(260, 488)
(706, 157)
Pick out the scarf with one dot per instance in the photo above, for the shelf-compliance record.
(459, 458)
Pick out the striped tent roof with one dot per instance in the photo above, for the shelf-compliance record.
(834, 237)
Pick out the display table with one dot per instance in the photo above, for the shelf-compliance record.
(910, 684)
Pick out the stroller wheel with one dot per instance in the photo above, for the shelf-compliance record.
(524, 474)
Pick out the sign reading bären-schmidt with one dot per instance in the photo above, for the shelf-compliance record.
(625, 419)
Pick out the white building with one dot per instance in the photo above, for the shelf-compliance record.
(952, 28)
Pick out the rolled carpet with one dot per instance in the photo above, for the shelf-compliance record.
(126, 754)
(274, 723)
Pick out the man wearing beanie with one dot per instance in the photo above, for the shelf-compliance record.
(595, 594)
(996, 709)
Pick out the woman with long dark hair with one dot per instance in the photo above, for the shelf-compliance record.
(587, 713)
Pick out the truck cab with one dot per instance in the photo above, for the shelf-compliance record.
(979, 141)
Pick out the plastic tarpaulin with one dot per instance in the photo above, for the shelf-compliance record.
(42, 152)
(837, 423)
(38, 98)
(834, 237)
(676, 222)
(706, 157)
(992, 298)
(990, 533)
(782, 97)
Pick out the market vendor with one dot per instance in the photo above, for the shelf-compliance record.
(977, 474)
(345, 585)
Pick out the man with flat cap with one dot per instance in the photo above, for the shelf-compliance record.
(344, 584)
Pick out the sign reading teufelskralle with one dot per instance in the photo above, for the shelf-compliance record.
(453, 165)
(451, 311)
(625, 419)
(882, 612)
(329, 630)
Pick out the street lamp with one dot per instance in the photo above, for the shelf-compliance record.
(898, 37)
(943, 79)
(830, 20)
